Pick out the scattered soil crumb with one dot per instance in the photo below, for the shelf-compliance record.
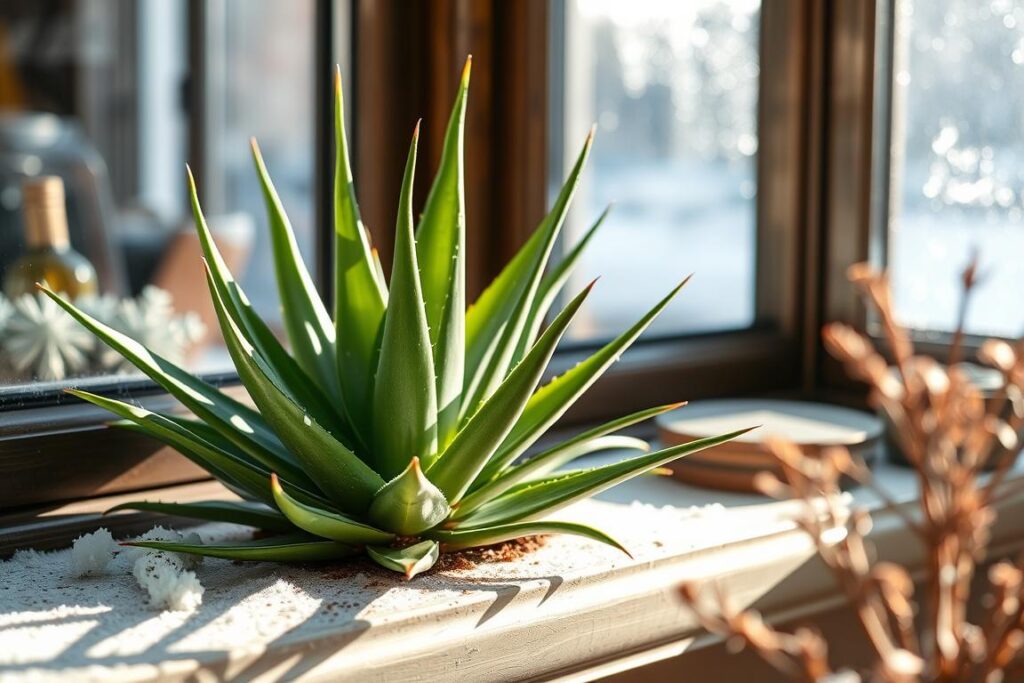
(463, 560)
(509, 551)
(454, 562)
(340, 572)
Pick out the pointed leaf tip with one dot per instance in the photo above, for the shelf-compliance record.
(466, 69)
(410, 503)
(408, 561)
(337, 77)
(416, 131)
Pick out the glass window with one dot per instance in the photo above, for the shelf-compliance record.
(673, 89)
(957, 162)
(260, 85)
(101, 94)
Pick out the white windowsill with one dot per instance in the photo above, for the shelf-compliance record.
(573, 609)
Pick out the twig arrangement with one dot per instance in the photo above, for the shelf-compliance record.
(961, 445)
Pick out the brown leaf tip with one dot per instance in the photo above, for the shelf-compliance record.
(256, 149)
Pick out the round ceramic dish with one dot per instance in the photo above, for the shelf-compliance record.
(732, 466)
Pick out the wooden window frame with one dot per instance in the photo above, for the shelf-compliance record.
(53, 453)
(852, 220)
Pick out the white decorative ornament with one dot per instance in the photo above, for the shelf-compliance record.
(150, 319)
(40, 341)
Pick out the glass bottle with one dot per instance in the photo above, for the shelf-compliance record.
(48, 257)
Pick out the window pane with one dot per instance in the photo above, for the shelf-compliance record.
(98, 93)
(673, 88)
(957, 162)
(261, 86)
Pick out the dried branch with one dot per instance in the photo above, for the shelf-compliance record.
(952, 435)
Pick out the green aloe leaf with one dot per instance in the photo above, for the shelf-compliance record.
(247, 474)
(545, 463)
(346, 480)
(236, 512)
(404, 396)
(498, 318)
(534, 499)
(238, 423)
(287, 373)
(459, 465)
(556, 457)
(359, 291)
(551, 459)
(247, 489)
(552, 400)
(460, 540)
(286, 548)
(325, 523)
(550, 287)
(409, 503)
(441, 253)
(410, 561)
(309, 327)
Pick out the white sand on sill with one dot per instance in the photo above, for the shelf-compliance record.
(54, 625)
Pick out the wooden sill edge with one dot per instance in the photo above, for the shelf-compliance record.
(775, 573)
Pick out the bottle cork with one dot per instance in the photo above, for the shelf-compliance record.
(46, 218)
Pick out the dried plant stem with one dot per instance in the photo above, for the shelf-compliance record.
(949, 432)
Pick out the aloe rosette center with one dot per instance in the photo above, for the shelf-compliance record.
(396, 425)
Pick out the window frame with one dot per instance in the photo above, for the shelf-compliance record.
(853, 220)
(885, 106)
(506, 145)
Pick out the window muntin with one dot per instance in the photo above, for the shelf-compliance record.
(673, 89)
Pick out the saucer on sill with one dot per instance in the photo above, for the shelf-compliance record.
(732, 466)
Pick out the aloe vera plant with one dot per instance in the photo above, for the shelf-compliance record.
(395, 427)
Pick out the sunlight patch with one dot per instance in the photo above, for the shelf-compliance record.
(240, 424)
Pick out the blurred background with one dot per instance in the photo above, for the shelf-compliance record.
(719, 146)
